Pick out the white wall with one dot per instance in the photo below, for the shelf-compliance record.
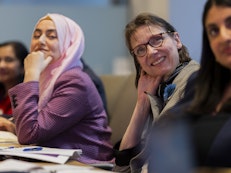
(159, 7)
(186, 17)
(103, 27)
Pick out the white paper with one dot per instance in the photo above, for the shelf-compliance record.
(18, 165)
(33, 167)
(54, 155)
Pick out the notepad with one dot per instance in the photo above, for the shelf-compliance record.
(54, 155)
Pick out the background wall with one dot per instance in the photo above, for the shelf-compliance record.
(103, 25)
(159, 7)
(186, 16)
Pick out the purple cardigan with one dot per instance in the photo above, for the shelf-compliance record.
(73, 118)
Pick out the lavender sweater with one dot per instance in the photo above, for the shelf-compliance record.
(73, 118)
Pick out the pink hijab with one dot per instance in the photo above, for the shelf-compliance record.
(71, 45)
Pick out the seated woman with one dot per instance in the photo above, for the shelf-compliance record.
(163, 66)
(57, 105)
(12, 55)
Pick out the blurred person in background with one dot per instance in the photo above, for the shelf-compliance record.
(208, 114)
(12, 55)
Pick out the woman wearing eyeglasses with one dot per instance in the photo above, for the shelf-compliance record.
(163, 66)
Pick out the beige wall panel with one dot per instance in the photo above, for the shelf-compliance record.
(158, 7)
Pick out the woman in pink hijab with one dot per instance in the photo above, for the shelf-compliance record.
(58, 105)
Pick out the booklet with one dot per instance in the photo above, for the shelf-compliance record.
(54, 155)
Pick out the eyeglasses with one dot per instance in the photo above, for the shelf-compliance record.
(155, 41)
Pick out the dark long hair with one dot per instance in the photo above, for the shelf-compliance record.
(150, 19)
(21, 52)
(212, 77)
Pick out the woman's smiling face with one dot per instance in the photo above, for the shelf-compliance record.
(159, 61)
(45, 39)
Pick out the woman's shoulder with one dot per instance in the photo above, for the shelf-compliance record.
(186, 72)
(192, 66)
(76, 78)
(75, 74)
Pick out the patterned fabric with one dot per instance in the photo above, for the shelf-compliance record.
(74, 117)
(169, 89)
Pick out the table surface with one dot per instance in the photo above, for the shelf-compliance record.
(76, 163)
(70, 162)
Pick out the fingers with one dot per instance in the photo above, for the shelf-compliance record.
(148, 83)
(11, 128)
(37, 60)
(143, 72)
(7, 125)
(34, 64)
(47, 60)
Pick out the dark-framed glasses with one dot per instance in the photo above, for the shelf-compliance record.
(154, 41)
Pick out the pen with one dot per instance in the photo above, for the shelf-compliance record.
(33, 149)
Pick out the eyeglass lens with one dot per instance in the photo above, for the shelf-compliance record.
(154, 41)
